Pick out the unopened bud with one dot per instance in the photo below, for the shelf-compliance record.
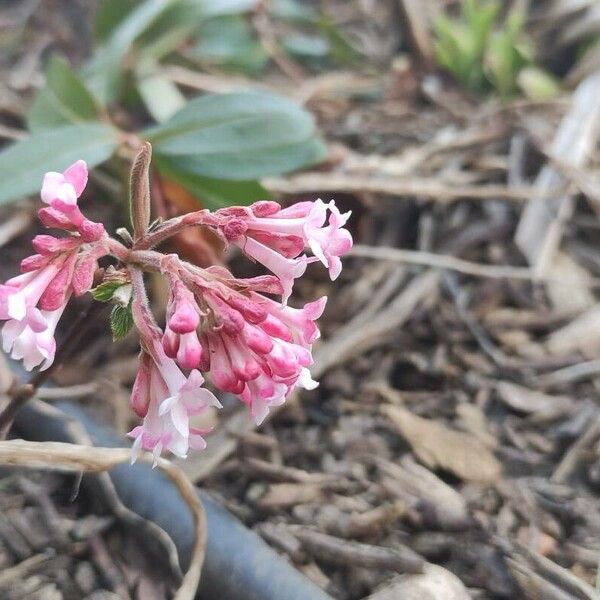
(139, 199)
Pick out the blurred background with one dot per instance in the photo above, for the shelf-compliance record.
(458, 417)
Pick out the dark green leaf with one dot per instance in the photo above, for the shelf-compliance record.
(213, 193)
(243, 135)
(108, 16)
(104, 292)
(23, 164)
(254, 164)
(63, 100)
(121, 321)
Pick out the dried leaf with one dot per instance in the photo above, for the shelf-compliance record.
(437, 446)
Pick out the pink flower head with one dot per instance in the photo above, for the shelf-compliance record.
(265, 359)
(33, 302)
(167, 399)
(61, 192)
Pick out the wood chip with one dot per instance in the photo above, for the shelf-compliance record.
(437, 446)
(529, 401)
(340, 551)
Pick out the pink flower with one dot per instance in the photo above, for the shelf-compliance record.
(32, 340)
(268, 357)
(20, 294)
(276, 237)
(167, 399)
(61, 191)
(180, 339)
(286, 269)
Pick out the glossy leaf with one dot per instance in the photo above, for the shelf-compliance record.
(23, 164)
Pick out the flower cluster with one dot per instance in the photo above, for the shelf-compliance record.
(232, 330)
(33, 302)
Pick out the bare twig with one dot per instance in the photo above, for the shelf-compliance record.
(419, 188)
(345, 552)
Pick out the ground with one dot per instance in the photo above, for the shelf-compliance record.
(457, 420)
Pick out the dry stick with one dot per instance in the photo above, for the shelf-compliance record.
(22, 394)
(451, 263)
(59, 456)
(541, 225)
(346, 552)
(419, 188)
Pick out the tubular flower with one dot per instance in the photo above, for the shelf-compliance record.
(238, 332)
(165, 398)
(277, 237)
(32, 303)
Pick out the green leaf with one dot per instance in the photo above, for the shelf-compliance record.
(160, 95)
(239, 136)
(63, 100)
(538, 84)
(121, 321)
(216, 8)
(213, 193)
(103, 71)
(292, 10)
(254, 164)
(104, 292)
(108, 16)
(23, 164)
(306, 46)
(340, 48)
(228, 42)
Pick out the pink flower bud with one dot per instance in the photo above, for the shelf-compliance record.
(265, 208)
(90, 231)
(140, 393)
(170, 343)
(185, 318)
(256, 339)
(234, 229)
(48, 244)
(34, 262)
(252, 311)
(51, 217)
(190, 351)
(59, 289)
(83, 275)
